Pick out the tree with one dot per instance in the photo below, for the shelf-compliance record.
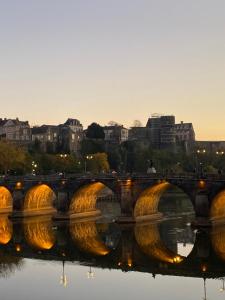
(137, 123)
(95, 131)
(113, 123)
(99, 163)
(11, 157)
(92, 146)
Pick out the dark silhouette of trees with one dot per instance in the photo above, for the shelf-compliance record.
(95, 131)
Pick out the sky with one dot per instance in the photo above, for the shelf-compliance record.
(120, 60)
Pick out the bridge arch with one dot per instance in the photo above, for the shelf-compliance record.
(85, 235)
(39, 200)
(6, 200)
(85, 198)
(147, 202)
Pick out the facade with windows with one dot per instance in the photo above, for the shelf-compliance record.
(116, 134)
(15, 131)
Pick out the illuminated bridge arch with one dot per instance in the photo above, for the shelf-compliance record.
(6, 200)
(38, 232)
(85, 198)
(147, 203)
(39, 200)
(148, 239)
(87, 239)
(217, 210)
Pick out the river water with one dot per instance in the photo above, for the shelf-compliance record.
(99, 259)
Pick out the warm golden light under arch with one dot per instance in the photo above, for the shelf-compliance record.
(6, 200)
(84, 200)
(147, 203)
(39, 197)
(217, 210)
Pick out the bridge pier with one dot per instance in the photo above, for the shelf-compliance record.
(126, 203)
(202, 210)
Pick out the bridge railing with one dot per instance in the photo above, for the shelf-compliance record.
(109, 176)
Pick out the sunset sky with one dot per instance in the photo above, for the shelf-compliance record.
(121, 60)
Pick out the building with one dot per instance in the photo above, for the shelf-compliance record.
(70, 136)
(75, 126)
(162, 131)
(184, 132)
(45, 138)
(185, 136)
(63, 138)
(116, 134)
(139, 134)
(16, 131)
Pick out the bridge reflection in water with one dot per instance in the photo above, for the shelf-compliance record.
(86, 237)
(6, 229)
(38, 232)
(147, 247)
(150, 242)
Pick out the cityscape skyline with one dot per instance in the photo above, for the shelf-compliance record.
(108, 123)
(102, 60)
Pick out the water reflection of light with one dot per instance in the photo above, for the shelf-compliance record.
(5, 229)
(90, 273)
(149, 240)
(86, 237)
(38, 232)
(63, 278)
(218, 241)
(222, 288)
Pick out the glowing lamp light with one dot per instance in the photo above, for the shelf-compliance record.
(18, 248)
(18, 185)
(204, 268)
(128, 182)
(129, 263)
(177, 259)
(201, 184)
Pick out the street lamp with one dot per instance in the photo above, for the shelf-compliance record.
(63, 157)
(199, 166)
(87, 157)
(220, 152)
(34, 166)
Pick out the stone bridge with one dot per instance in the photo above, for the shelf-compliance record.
(138, 195)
